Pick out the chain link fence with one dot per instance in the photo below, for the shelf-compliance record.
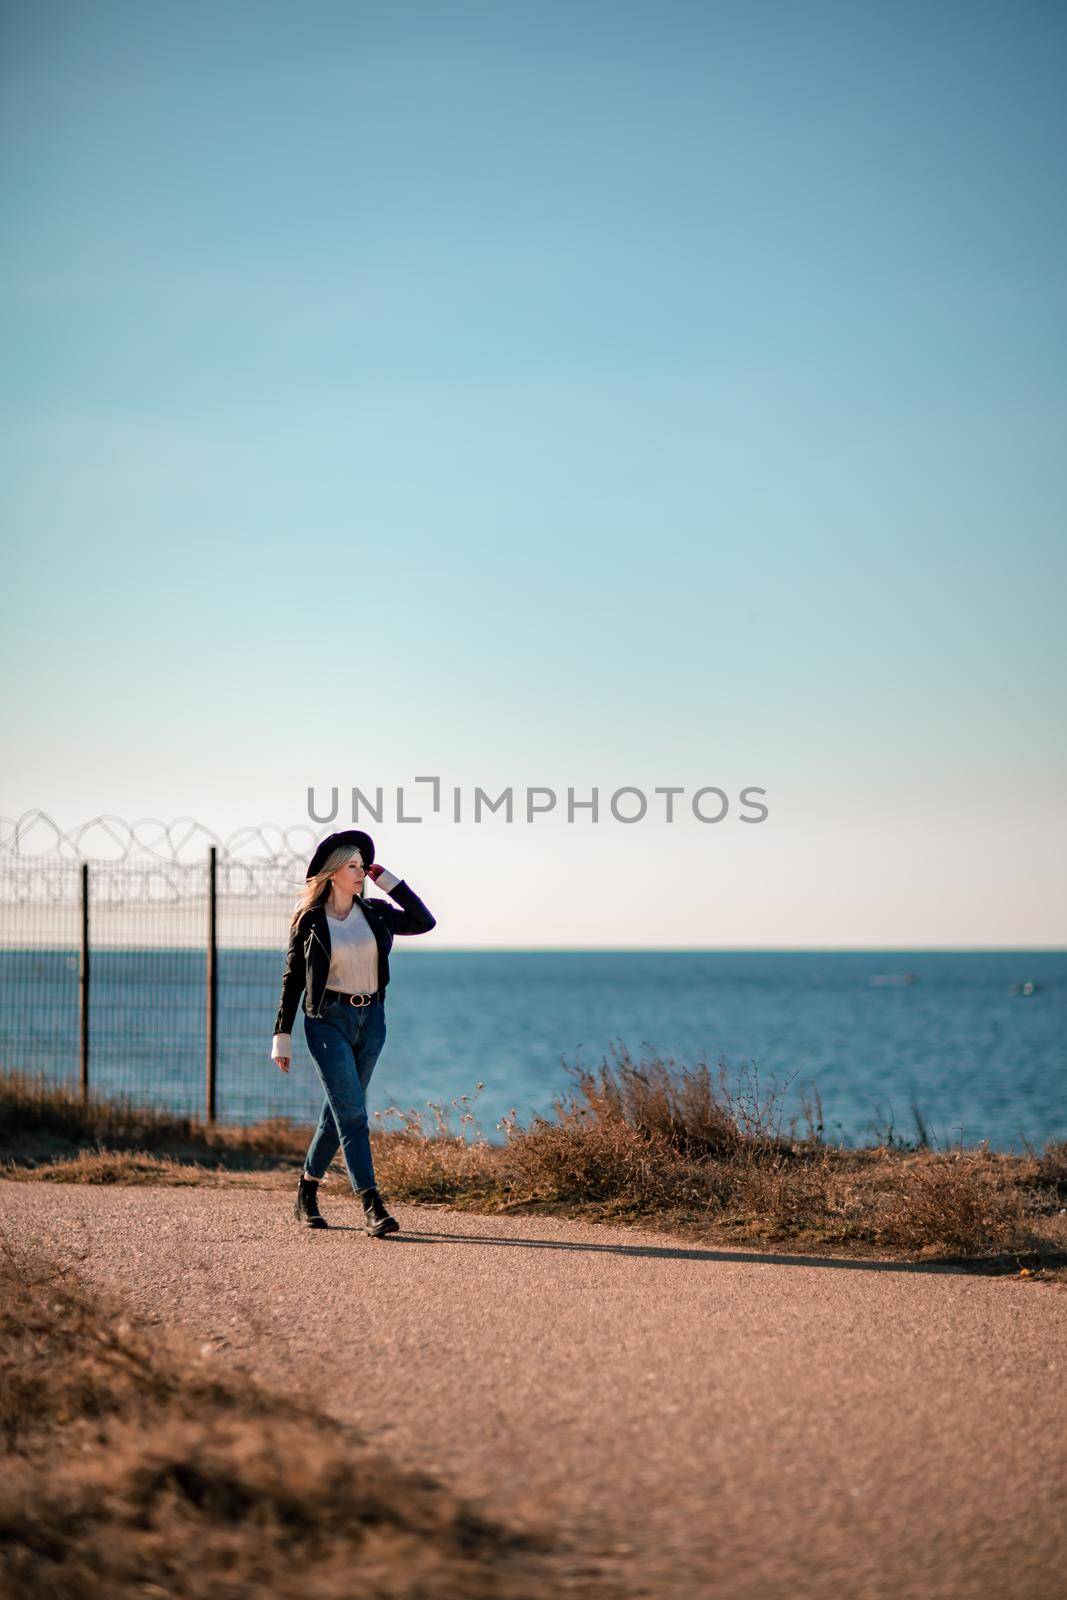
(151, 977)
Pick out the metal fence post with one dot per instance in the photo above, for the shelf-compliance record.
(212, 982)
(83, 982)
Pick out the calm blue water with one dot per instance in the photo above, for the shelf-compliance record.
(980, 1062)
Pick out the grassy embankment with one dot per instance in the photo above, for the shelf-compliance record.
(650, 1141)
(133, 1466)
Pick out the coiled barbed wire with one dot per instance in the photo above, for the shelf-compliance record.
(147, 859)
(35, 836)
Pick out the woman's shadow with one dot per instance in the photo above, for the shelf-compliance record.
(998, 1266)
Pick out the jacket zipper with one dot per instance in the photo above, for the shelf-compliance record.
(326, 952)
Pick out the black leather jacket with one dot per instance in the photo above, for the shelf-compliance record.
(307, 961)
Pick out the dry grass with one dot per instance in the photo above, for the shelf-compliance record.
(646, 1140)
(655, 1139)
(41, 1123)
(133, 1467)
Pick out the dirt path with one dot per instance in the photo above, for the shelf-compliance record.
(714, 1423)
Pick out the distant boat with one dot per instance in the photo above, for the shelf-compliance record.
(1024, 988)
(884, 980)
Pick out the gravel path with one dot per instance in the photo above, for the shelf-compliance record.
(714, 1423)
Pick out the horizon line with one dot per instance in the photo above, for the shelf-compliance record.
(754, 949)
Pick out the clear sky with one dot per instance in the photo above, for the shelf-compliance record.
(545, 393)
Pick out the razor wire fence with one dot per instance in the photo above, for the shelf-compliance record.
(150, 977)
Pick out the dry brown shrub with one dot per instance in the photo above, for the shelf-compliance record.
(433, 1170)
(695, 1113)
(582, 1161)
(957, 1201)
(788, 1196)
(1051, 1168)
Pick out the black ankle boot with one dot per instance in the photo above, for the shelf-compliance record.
(378, 1219)
(306, 1208)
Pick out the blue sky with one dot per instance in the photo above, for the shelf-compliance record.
(551, 394)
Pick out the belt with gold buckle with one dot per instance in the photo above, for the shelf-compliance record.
(357, 1000)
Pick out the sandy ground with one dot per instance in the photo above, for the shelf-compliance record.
(704, 1422)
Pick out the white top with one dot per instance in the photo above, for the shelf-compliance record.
(354, 950)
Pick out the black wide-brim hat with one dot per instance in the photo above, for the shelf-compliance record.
(351, 836)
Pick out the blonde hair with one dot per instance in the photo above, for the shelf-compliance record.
(319, 886)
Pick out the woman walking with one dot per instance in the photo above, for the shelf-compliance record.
(338, 958)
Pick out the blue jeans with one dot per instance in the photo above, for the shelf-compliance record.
(345, 1042)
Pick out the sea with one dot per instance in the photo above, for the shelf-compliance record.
(957, 1047)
